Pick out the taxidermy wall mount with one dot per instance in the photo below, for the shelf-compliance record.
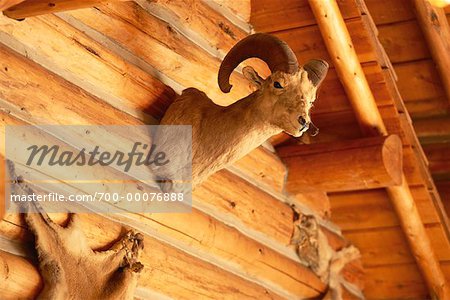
(281, 102)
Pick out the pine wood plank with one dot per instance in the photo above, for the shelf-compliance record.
(418, 81)
(403, 41)
(390, 11)
(388, 246)
(270, 16)
(373, 209)
(395, 282)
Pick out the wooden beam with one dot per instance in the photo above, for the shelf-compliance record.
(344, 166)
(31, 8)
(342, 52)
(348, 67)
(241, 8)
(433, 130)
(19, 279)
(436, 29)
(2, 186)
(195, 276)
(5, 4)
(439, 3)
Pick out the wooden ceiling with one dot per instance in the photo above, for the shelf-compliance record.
(241, 224)
(391, 271)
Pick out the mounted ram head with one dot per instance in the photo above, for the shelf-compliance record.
(281, 102)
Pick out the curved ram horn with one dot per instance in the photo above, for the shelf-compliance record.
(317, 70)
(273, 51)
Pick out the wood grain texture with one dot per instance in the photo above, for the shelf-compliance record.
(26, 9)
(5, 4)
(228, 194)
(372, 209)
(418, 81)
(2, 185)
(241, 8)
(271, 16)
(436, 30)
(20, 95)
(264, 167)
(344, 57)
(80, 108)
(390, 11)
(72, 52)
(362, 164)
(403, 41)
(150, 39)
(388, 246)
(164, 265)
(16, 273)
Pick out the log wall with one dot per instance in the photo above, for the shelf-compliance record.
(123, 63)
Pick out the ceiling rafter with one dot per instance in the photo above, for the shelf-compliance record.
(341, 49)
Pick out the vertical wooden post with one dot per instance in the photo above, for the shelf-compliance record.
(341, 49)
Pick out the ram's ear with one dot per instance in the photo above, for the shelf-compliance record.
(253, 77)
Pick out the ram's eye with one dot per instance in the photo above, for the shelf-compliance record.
(277, 85)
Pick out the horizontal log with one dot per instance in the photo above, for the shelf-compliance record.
(193, 276)
(241, 8)
(346, 166)
(228, 194)
(5, 4)
(33, 8)
(184, 62)
(205, 25)
(78, 107)
(193, 231)
(318, 202)
(19, 279)
(71, 51)
(263, 167)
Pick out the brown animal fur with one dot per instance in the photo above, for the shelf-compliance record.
(222, 135)
(69, 267)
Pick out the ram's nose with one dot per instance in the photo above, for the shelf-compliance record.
(313, 130)
(302, 121)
